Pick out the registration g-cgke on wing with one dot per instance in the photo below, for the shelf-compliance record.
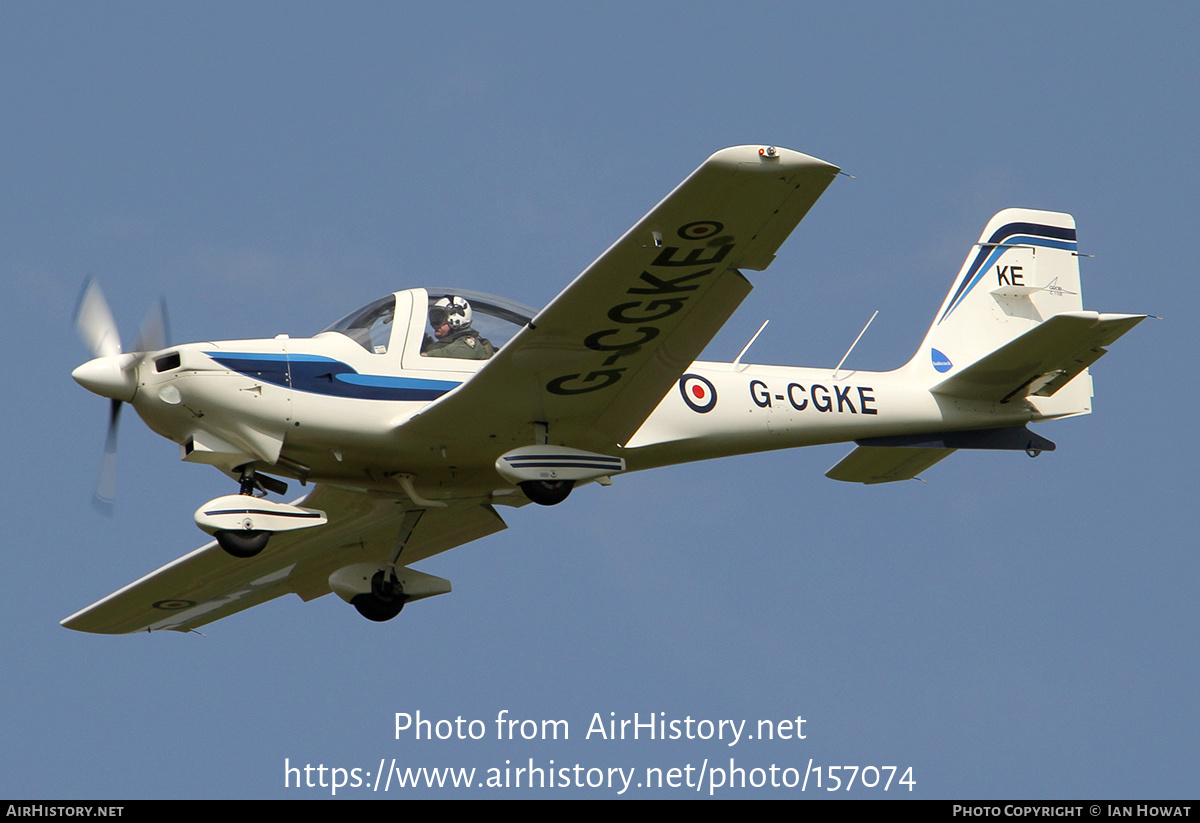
(419, 414)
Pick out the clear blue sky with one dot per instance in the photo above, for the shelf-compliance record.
(1011, 628)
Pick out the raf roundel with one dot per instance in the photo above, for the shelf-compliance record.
(698, 393)
(701, 230)
(174, 605)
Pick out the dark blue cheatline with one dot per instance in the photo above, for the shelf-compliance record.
(317, 374)
(558, 461)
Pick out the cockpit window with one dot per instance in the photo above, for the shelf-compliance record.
(493, 321)
(369, 326)
(469, 325)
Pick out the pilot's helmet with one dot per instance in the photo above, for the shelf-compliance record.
(450, 309)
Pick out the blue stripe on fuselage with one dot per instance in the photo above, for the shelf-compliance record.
(317, 374)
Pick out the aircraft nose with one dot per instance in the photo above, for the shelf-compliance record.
(114, 376)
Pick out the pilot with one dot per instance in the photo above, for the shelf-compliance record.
(450, 318)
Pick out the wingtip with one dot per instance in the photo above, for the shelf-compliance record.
(770, 157)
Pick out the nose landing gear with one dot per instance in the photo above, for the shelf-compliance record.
(243, 542)
(243, 523)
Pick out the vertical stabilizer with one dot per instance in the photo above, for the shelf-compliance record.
(1023, 270)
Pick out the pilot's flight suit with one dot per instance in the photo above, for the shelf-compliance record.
(464, 344)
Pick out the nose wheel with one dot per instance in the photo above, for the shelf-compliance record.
(244, 542)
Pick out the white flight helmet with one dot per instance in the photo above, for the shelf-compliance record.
(452, 309)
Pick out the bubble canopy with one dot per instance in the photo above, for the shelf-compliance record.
(495, 318)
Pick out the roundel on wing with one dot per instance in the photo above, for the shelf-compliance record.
(701, 230)
(698, 393)
(173, 605)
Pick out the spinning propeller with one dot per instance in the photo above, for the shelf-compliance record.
(111, 373)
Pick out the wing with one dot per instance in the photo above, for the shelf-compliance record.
(208, 584)
(597, 360)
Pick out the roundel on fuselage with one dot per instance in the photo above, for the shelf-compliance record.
(698, 393)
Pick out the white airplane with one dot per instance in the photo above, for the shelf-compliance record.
(412, 440)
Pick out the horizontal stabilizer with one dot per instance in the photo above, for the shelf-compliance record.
(904, 456)
(1042, 360)
(1012, 438)
(884, 464)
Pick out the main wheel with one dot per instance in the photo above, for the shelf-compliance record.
(379, 611)
(547, 492)
(385, 600)
(245, 543)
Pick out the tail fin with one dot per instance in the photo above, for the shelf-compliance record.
(1022, 271)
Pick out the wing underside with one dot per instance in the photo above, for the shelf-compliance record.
(208, 584)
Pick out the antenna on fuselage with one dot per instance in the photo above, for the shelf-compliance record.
(855, 343)
(746, 348)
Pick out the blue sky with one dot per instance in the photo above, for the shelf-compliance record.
(1011, 628)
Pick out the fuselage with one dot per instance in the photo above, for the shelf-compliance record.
(331, 409)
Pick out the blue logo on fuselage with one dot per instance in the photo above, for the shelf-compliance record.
(940, 361)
